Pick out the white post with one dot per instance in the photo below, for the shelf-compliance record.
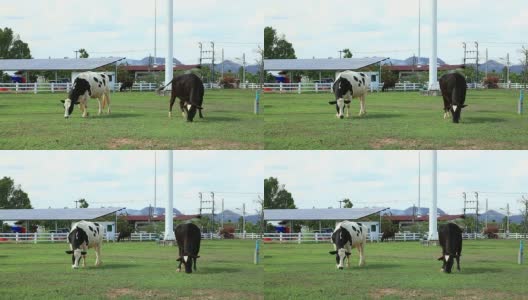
(169, 56)
(433, 71)
(169, 231)
(433, 229)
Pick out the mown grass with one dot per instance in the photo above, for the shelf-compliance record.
(130, 271)
(395, 120)
(138, 121)
(403, 270)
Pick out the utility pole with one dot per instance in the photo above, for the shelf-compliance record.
(222, 62)
(222, 220)
(76, 201)
(419, 36)
(201, 52)
(155, 182)
(244, 220)
(212, 65)
(155, 36)
(76, 52)
(508, 69)
(340, 53)
(486, 62)
(213, 213)
(244, 68)
(477, 209)
(419, 183)
(477, 46)
(486, 213)
(507, 219)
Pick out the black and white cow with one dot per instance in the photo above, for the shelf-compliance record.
(450, 238)
(85, 235)
(453, 87)
(348, 235)
(350, 85)
(86, 85)
(188, 237)
(189, 88)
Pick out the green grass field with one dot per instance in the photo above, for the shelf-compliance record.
(130, 271)
(404, 270)
(394, 120)
(138, 121)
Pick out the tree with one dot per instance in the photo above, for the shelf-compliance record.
(12, 196)
(82, 203)
(275, 46)
(11, 46)
(276, 196)
(83, 53)
(347, 53)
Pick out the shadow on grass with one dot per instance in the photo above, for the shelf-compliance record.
(114, 266)
(482, 120)
(473, 271)
(116, 115)
(217, 119)
(206, 270)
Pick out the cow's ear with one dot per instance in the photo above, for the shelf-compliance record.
(178, 259)
(62, 101)
(69, 252)
(332, 102)
(333, 252)
(441, 258)
(83, 252)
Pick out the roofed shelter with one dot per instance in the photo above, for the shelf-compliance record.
(320, 214)
(54, 214)
(59, 64)
(330, 64)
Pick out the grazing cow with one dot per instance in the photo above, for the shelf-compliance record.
(450, 238)
(348, 235)
(188, 237)
(189, 88)
(85, 235)
(127, 84)
(85, 85)
(388, 235)
(453, 87)
(124, 235)
(388, 84)
(350, 85)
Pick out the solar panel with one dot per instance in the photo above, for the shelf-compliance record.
(331, 64)
(55, 214)
(68, 64)
(320, 213)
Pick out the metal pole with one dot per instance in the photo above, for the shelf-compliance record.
(244, 220)
(486, 213)
(155, 182)
(169, 55)
(508, 70)
(244, 68)
(477, 213)
(433, 70)
(169, 229)
(486, 62)
(222, 213)
(222, 62)
(433, 229)
(155, 29)
(419, 31)
(419, 183)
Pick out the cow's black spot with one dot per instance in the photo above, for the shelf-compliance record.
(99, 85)
(358, 234)
(363, 79)
(104, 81)
(360, 224)
(362, 74)
(354, 228)
(95, 79)
(96, 224)
(97, 229)
(361, 229)
(356, 79)
(90, 227)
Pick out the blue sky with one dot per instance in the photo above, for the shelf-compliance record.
(390, 28)
(126, 178)
(55, 28)
(390, 178)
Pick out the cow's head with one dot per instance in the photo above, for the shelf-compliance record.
(190, 111)
(456, 110)
(78, 240)
(341, 87)
(68, 107)
(188, 261)
(340, 238)
(448, 263)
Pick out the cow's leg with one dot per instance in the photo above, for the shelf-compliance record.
(83, 106)
(458, 261)
(99, 100)
(361, 255)
(107, 96)
(362, 110)
(171, 103)
(98, 261)
(200, 113)
(183, 108)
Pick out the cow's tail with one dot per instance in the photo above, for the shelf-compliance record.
(163, 87)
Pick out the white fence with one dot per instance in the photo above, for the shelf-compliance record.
(400, 237)
(35, 88)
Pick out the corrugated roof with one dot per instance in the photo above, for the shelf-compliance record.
(423, 218)
(56, 214)
(161, 218)
(320, 213)
(160, 68)
(56, 64)
(330, 64)
(424, 68)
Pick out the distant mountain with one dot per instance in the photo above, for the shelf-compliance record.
(229, 66)
(410, 61)
(146, 60)
(145, 211)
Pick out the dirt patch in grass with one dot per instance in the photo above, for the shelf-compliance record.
(403, 294)
(210, 144)
(126, 292)
(119, 143)
(470, 294)
(208, 294)
(400, 144)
